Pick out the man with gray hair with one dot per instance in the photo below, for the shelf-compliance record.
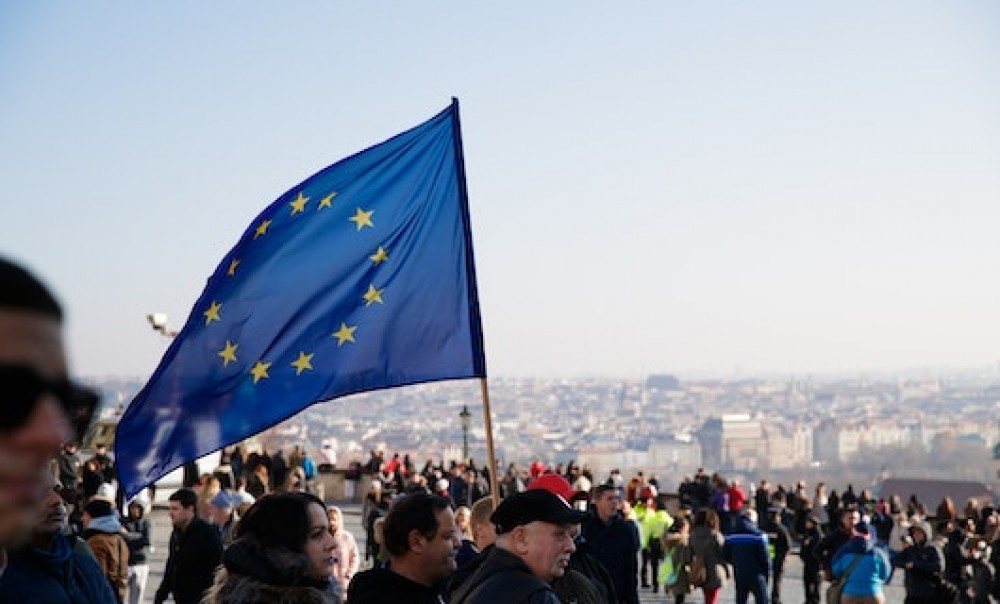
(535, 538)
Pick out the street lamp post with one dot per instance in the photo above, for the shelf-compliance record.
(466, 419)
(158, 321)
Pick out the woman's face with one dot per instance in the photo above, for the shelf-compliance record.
(319, 543)
(462, 521)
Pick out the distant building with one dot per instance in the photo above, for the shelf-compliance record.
(663, 381)
(733, 442)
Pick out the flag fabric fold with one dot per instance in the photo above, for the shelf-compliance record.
(359, 278)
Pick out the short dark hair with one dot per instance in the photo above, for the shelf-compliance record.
(280, 520)
(186, 497)
(20, 290)
(604, 488)
(414, 512)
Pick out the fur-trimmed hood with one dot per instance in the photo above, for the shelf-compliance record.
(251, 573)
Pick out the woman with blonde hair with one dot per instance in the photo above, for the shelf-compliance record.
(345, 549)
(211, 486)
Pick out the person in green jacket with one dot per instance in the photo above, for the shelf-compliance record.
(653, 523)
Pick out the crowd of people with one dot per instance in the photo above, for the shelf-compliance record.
(718, 533)
(254, 530)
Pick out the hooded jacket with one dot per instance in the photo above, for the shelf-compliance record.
(871, 572)
(105, 539)
(254, 574)
(137, 539)
(54, 576)
(927, 564)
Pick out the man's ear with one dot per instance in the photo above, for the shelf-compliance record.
(519, 539)
(416, 541)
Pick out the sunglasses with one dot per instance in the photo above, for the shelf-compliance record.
(21, 387)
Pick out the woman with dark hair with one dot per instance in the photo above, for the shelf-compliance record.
(706, 543)
(282, 553)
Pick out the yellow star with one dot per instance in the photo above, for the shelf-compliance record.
(232, 267)
(326, 202)
(344, 334)
(373, 295)
(363, 218)
(259, 371)
(262, 229)
(303, 362)
(380, 256)
(228, 353)
(299, 205)
(212, 314)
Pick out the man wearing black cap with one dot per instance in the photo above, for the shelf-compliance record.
(535, 532)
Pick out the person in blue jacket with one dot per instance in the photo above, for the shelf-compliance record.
(746, 549)
(56, 567)
(872, 571)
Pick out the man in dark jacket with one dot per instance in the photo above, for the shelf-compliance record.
(809, 552)
(781, 541)
(614, 542)
(849, 517)
(195, 552)
(137, 536)
(746, 549)
(955, 559)
(55, 568)
(422, 539)
(535, 531)
(923, 563)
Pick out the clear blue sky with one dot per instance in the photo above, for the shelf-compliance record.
(655, 186)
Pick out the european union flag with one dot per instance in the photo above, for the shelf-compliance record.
(359, 278)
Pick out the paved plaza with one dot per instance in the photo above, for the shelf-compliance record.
(791, 585)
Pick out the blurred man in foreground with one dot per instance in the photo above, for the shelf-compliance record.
(39, 407)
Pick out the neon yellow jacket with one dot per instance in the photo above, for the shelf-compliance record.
(653, 523)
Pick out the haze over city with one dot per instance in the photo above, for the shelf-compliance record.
(678, 187)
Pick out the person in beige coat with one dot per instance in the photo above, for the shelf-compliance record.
(706, 544)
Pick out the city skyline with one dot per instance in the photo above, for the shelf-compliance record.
(723, 190)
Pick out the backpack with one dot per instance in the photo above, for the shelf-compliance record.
(698, 574)
(668, 573)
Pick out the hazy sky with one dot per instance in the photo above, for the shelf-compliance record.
(654, 186)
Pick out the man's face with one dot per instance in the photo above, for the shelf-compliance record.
(607, 504)
(180, 516)
(220, 515)
(546, 548)
(33, 341)
(438, 554)
(53, 516)
(485, 533)
(849, 519)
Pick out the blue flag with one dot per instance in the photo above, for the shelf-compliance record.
(359, 278)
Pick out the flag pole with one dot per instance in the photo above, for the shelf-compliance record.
(490, 451)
